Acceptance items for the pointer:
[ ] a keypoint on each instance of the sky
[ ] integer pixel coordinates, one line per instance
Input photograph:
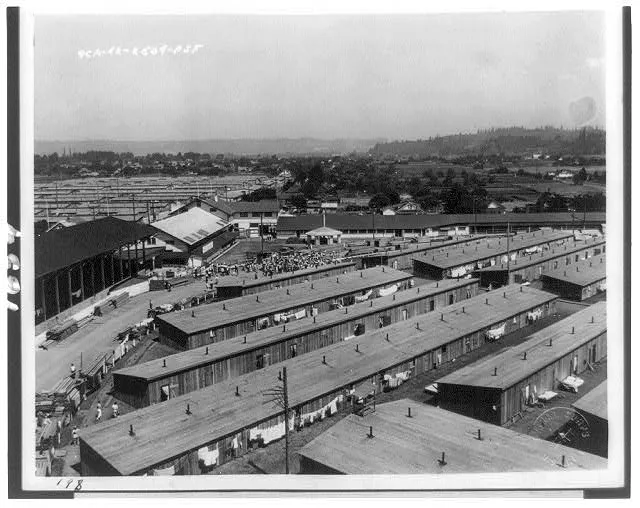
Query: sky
(361, 76)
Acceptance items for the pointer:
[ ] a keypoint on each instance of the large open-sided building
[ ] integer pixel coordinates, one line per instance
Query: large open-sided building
(536, 265)
(461, 260)
(80, 262)
(406, 437)
(222, 421)
(157, 380)
(215, 322)
(580, 281)
(246, 283)
(499, 387)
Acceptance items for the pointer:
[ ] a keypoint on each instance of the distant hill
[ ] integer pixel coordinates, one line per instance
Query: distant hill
(283, 146)
(510, 141)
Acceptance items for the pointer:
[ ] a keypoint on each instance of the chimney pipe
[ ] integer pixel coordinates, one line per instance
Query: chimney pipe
(188, 411)
(245, 339)
(525, 356)
(370, 435)
(486, 301)
(324, 359)
(206, 351)
(131, 432)
(495, 371)
(479, 435)
(387, 337)
(564, 463)
(224, 306)
(258, 299)
(237, 391)
(409, 412)
(193, 313)
(442, 462)
(592, 320)
(357, 348)
(573, 330)
(279, 375)
(164, 363)
(314, 319)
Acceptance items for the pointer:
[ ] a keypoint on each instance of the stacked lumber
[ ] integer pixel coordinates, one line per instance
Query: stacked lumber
(63, 330)
(96, 371)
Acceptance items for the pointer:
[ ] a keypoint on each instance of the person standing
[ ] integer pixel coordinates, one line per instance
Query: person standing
(74, 436)
(99, 412)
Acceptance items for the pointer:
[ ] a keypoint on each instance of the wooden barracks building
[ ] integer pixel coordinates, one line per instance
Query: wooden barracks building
(194, 432)
(250, 284)
(407, 437)
(220, 321)
(157, 380)
(497, 388)
(535, 266)
(580, 281)
(460, 260)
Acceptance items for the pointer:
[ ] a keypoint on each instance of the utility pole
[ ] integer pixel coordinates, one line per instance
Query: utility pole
(286, 418)
(373, 225)
(261, 238)
(280, 397)
(508, 253)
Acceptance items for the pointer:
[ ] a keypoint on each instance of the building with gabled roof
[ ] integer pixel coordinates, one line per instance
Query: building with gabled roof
(406, 437)
(189, 236)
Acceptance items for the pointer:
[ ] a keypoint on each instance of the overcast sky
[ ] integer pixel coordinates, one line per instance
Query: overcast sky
(395, 77)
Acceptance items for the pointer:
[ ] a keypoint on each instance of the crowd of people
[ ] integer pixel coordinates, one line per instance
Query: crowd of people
(274, 264)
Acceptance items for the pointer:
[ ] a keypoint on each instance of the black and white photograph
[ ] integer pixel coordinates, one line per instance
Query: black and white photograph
(334, 249)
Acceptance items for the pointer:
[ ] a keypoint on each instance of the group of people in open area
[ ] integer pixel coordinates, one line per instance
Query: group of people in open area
(115, 411)
(276, 263)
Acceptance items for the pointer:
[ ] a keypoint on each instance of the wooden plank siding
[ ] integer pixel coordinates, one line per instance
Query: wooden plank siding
(494, 389)
(401, 256)
(589, 278)
(220, 321)
(166, 432)
(442, 263)
(585, 256)
(141, 385)
(250, 284)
